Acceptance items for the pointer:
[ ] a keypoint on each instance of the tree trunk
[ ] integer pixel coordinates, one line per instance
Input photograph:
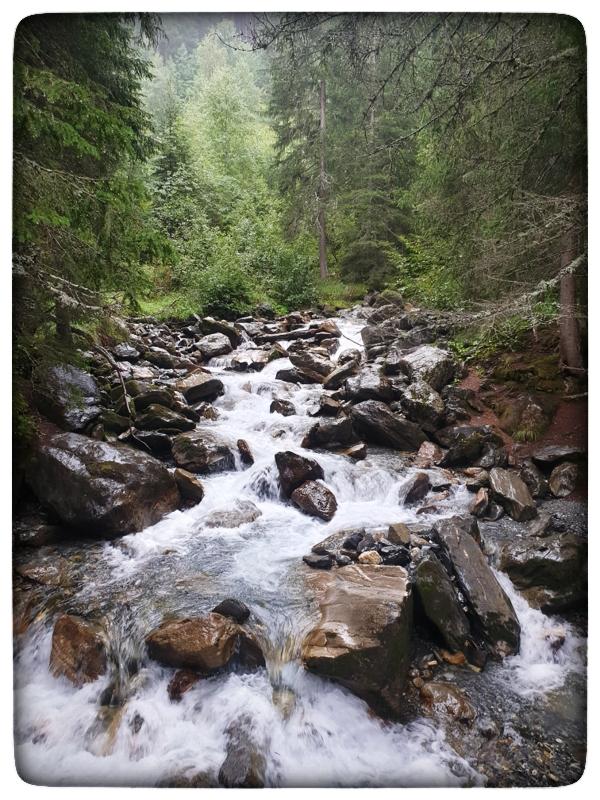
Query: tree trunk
(570, 338)
(322, 191)
(63, 323)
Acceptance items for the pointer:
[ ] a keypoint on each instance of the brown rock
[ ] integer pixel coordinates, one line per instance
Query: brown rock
(513, 495)
(180, 683)
(189, 486)
(447, 699)
(200, 385)
(204, 643)
(294, 470)
(245, 452)
(78, 650)
(316, 499)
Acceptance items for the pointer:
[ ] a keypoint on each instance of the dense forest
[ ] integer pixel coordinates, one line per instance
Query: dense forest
(206, 164)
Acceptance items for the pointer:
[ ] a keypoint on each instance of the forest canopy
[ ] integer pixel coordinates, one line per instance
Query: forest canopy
(214, 164)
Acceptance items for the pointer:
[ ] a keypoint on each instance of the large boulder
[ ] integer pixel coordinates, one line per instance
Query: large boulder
(423, 405)
(325, 434)
(440, 603)
(550, 571)
(78, 650)
(213, 345)
(294, 470)
(376, 423)
(157, 417)
(370, 384)
(489, 605)
(465, 443)
(430, 364)
(202, 451)
(67, 396)
(200, 385)
(205, 643)
(362, 639)
(549, 455)
(316, 499)
(309, 361)
(512, 493)
(210, 325)
(99, 488)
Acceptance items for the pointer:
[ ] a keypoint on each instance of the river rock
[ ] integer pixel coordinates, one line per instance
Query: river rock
(375, 422)
(563, 479)
(114, 422)
(202, 451)
(67, 396)
(250, 360)
(328, 407)
(235, 609)
(244, 766)
(189, 486)
(549, 455)
(370, 384)
(283, 407)
(362, 639)
(328, 434)
(245, 452)
(512, 493)
(155, 442)
(180, 683)
(213, 345)
(160, 357)
(148, 395)
(481, 502)
(200, 385)
(157, 417)
(423, 405)
(205, 643)
(99, 488)
(440, 603)
(447, 699)
(125, 352)
(488, 603)
(210, 325)
(296, 375)
(534, 478)
(78, 650)
(464, 443)
(315, 499)
(243, 512)
(429, 455)
(340, 375)
(353, 354)
(308, 361)
(549, 571)
(294, 470)
(414, 488)
(430, 364)
(318, 560)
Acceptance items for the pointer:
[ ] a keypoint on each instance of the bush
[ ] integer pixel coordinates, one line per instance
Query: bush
(224, 290)
(294, 283)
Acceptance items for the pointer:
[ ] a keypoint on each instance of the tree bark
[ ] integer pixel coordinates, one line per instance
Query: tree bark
(322, 190)
(570, 337)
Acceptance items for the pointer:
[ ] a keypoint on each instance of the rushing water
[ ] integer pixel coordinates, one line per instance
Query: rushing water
(310, 731)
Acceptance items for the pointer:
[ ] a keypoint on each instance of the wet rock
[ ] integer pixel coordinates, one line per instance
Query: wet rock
(244, 765)
(99, 488)
(362, 639)
(370, 384)
(250, 360)
(327, 434)
(423, 405)
(357, 452)
(350, 355)
(534, 478)
(154, 442)
(489, 605)
(283, 407)
(214, 345)
(235, 609)
(541, 526)
(298, 376)
(189, 486)
(205, 643)
(200, 385)
(149, 395)
(180, 683)
(202, 451)
(399, 533)
(244, 512)
(414, 488)
(340, 375)
(318, 560)
(440, 603)
(464, 443)
(430, 364)
(512, 493)
(494, 512)
(78, 650)
(563, 479)
(480, 504)
(309, 361)
(114, 422)
(375, 423)
(210, 325)
(447, 699)
(328, 407)
(158, 417)
(549, 571)
(393, 554)
(67, 396)
(315, 499)
(428, 455)
(294, 470)
(245, 452)
(160, 357)
(549, 455)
